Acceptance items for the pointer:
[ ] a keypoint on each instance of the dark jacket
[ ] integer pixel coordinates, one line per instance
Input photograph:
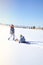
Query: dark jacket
(12, 29)
(22, 39)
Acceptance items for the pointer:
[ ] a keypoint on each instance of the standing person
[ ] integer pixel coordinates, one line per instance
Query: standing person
(12, 32)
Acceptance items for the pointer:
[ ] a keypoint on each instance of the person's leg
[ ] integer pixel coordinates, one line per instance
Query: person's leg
(13, 36)
(10, 36)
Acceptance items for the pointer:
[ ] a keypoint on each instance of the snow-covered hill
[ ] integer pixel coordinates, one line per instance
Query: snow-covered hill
(13, 53)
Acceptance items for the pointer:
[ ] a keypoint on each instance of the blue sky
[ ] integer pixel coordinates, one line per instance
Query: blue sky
(22, 12)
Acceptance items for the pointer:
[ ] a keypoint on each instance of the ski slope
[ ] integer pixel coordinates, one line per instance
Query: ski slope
(13, 53)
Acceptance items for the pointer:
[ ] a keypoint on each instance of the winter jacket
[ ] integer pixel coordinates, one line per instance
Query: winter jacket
(12, 29)
(22, 39)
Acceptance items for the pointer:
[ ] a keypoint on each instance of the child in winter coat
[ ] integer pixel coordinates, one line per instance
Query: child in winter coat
(12, 31)
(22, 39)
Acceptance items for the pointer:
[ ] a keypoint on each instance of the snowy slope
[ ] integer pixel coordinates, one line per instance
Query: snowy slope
(13, 53)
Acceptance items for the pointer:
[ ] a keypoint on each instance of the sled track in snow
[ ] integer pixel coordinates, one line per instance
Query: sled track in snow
(36, 42)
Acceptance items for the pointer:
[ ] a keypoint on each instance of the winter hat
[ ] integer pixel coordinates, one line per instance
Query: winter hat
(21, 35)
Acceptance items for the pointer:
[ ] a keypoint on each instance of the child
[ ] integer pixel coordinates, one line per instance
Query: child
(12, 31)
(22, 39)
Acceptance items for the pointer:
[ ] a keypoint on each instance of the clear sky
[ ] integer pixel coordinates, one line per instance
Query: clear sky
(22, 12)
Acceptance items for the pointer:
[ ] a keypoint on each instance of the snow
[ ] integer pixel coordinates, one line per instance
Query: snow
(14, 53)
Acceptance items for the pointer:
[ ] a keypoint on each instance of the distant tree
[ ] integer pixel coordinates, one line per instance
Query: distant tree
(31, 27)
(34, 27)
(42, 28)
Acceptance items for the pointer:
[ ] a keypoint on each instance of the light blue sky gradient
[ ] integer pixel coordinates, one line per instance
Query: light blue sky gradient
(22, 12)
